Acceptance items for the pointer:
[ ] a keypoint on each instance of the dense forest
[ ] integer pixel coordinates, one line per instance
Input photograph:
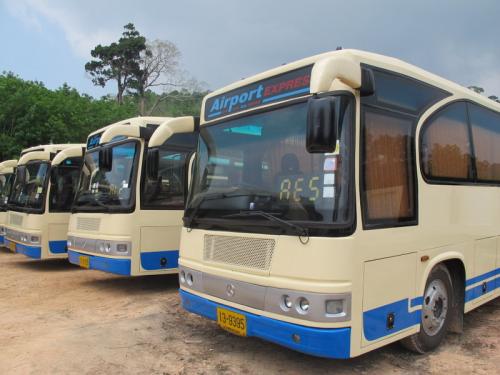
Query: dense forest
(31, 114)
(148, 79)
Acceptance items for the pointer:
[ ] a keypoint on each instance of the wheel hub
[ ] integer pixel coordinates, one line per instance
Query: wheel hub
(435, 307)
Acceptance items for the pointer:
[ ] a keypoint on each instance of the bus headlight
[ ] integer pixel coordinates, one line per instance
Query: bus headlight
(182, 277)
(107, 247)
(335, 307)
(2, 231)
(35, 239)
(189, 279)
(24, 238)
(286, 302)
(303, 305)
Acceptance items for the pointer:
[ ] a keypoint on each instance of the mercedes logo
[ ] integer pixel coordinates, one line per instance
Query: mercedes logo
(230, 290)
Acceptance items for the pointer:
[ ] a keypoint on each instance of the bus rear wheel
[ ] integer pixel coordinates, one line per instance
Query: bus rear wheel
(436, 312)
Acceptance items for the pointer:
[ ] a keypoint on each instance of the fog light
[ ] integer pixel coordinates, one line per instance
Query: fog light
(189, 279)
(303, 305)
(122, 248)
(286, 302)
(182, 277)
(335, 307)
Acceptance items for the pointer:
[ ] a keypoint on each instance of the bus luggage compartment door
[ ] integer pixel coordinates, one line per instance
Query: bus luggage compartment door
(388, 291)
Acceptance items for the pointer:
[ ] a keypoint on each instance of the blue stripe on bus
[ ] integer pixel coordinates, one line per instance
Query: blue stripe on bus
(112, 265)
(375, 320)
(34, 252)
(321, 342)
(58, 247)
(2, 240)
(417, 301)
(482, 277)
(153, 260)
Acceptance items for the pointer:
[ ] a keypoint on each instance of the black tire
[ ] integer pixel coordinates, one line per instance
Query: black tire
(423, 342)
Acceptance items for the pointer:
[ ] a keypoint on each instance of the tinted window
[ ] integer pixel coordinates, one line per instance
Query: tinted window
(445, 146)
(62, 192)
(387, 168)
(403, 93)
(486, 136)
(169, 189)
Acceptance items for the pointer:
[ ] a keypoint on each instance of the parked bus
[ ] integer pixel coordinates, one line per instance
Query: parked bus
(126, 221)
(343, 202)
(7, 169)
(40, 202)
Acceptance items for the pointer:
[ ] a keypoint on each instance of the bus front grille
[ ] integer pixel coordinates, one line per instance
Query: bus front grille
(16, 220)
(246, 252)
(88, 223)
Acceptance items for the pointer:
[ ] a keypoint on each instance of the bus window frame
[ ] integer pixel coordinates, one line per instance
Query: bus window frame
(113, 209)
(46, 192)
(453, 181)
(329, 230)
(189, 154)
(373, 102)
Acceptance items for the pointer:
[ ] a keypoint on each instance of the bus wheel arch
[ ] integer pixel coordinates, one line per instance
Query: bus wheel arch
(455, 263)
(442, 305)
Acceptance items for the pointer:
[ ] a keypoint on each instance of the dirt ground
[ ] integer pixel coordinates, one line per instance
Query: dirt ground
(57, 319)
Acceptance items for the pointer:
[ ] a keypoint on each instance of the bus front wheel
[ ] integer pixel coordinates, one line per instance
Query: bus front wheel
(436, 312)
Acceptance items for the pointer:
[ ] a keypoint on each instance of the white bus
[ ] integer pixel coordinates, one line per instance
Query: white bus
(7, 170)
(343, 202)
(41, 198)
(126, 221)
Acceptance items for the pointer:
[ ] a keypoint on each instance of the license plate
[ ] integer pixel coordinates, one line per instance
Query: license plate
(84, 261)
(232, 321)
(12, 246)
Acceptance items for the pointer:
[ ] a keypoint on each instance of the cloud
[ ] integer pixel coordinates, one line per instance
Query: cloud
(222, 41)
(70, 20)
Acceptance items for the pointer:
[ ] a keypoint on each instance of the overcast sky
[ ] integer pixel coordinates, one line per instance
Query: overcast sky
(222, 40)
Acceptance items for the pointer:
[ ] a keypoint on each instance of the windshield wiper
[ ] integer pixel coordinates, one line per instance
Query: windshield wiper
(299, 230)
(91, 199)
(214, 196)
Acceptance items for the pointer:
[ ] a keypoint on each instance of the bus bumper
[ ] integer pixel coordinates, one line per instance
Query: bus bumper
(111, 265)
(320, 342)
(34, 252)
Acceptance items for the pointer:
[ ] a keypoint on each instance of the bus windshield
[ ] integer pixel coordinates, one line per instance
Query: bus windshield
(6, 181)
(29, 194)
(104, 191)
(260, 163)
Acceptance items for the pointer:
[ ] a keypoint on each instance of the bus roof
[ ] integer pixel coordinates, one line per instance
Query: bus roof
(49, 148)
(139, 121)
(355, 57)
(8, 166)
(43, 152)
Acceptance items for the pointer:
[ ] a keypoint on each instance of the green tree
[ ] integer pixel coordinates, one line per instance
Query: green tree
(118, 61)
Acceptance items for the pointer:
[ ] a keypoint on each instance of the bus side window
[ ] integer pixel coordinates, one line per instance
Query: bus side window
(486, 138)
(388, 176)
(445, 145)
(167, 192)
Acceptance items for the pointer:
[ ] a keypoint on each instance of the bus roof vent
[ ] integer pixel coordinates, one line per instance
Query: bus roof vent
(245, 252)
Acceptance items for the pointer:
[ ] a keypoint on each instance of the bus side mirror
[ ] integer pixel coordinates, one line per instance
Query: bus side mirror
(321, 132)
(105, 159)
(21, 174)
(152, 163)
